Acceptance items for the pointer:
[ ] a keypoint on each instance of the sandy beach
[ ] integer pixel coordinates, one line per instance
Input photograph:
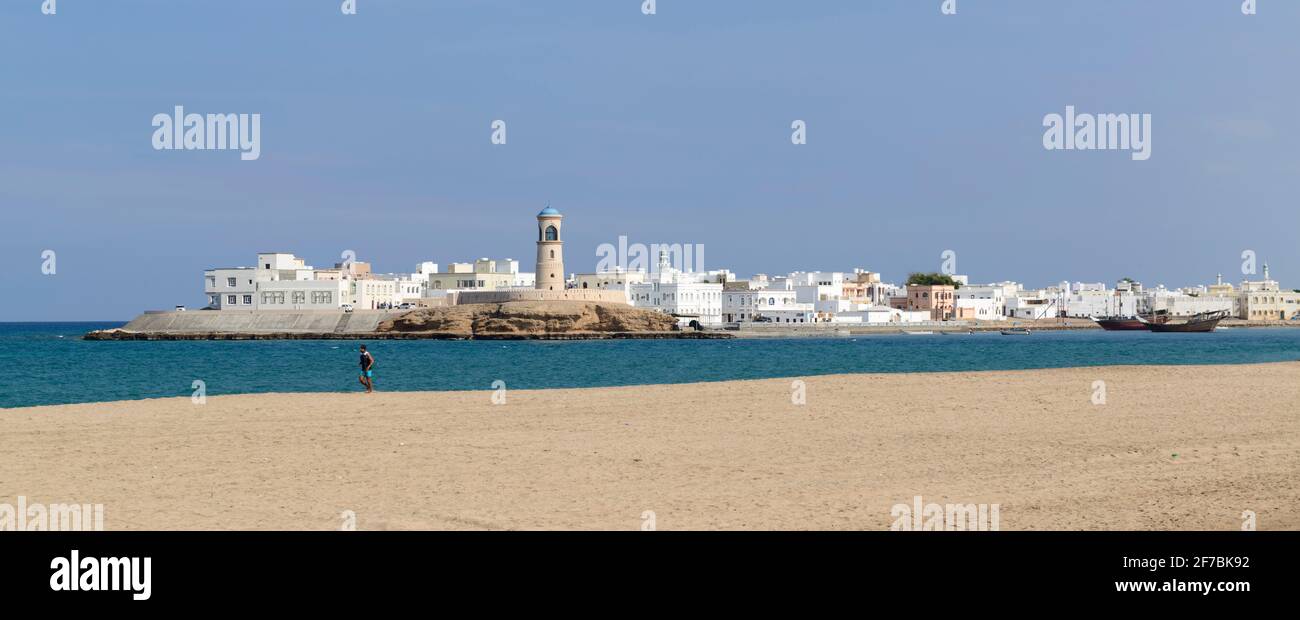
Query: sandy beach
(1171, 448)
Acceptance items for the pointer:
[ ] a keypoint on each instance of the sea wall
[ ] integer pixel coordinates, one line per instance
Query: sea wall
(260, 322)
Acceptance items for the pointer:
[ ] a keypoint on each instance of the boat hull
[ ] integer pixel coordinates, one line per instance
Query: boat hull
(1204, 322)
(1121, 325)
(1190, 326)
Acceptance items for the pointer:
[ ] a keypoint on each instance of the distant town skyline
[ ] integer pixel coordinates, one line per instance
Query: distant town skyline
(924, 134)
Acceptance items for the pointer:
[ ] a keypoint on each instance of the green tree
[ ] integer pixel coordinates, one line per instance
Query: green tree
(932, 279)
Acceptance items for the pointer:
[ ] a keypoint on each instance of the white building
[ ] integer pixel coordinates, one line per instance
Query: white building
(823, 289)
(302, 294)
(1092, 301)
(230, 288)
(280, 281)
(740, 305)
(869, 315)
(1031, 305)
(987, 301)
(672, 292)
(979, 308)
(1186, 303)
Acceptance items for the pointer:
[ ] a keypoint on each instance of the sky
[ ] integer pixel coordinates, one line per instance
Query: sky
(924, 135)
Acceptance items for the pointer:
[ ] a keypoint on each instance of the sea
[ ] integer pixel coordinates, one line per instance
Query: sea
(49, 363)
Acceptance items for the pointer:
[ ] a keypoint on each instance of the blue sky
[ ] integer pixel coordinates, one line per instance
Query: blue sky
(924, 134)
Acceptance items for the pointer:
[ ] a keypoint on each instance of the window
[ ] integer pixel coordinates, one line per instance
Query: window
(552, 235)
(230, 299)
(248, 300)
(552, 253)
(299, 297)
(230, 282)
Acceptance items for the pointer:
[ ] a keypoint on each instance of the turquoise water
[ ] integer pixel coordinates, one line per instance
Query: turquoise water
(48, 363)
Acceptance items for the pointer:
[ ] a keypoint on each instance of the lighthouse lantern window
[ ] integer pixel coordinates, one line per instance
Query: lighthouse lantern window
(551, 234)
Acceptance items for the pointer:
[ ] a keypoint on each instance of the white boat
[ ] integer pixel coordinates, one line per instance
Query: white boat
(918, 333)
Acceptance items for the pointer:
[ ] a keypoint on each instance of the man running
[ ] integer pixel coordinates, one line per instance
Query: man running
(367, 375)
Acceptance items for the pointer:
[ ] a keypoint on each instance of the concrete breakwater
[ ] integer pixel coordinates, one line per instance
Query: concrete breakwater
(249, 321)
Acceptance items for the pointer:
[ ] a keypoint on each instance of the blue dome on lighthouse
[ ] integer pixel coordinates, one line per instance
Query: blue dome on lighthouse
(548, 211)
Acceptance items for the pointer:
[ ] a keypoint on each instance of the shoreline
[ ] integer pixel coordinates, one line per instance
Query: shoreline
(1170, 448)
(936, 373)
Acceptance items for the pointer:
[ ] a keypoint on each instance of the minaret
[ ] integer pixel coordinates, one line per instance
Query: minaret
(1265, 271)
(550, 251)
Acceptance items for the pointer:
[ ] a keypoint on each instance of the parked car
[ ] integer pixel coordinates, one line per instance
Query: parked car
(405, 306)
(347, 307)
(180, 308)
(763, 319)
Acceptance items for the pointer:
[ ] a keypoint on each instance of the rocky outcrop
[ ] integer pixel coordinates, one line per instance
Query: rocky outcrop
(534, 319)
(512, 320)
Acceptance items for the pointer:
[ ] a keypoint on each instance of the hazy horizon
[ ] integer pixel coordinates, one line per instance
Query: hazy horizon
(924, 134)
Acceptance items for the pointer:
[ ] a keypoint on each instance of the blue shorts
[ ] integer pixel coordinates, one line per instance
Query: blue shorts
(368, 373)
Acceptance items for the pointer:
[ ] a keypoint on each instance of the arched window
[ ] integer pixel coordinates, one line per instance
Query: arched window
(552, 234)
(552, 253)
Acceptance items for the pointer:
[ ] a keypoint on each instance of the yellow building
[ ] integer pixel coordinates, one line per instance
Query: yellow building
(1264, 300)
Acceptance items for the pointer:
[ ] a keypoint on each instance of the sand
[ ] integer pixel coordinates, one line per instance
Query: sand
(1171, 448)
